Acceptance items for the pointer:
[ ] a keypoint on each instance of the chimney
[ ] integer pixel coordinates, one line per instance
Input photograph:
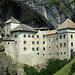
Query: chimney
(11, 19)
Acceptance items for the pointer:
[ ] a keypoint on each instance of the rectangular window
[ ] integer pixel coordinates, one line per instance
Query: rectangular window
(64, 44)
(37, 42)
(43, 48)
(37, 53)
(25, 42)
(43, 36)
(64, 36)
(37, 48)
(37, 36)
(71, 36)
(33, 42)
(15, 42)
(15, 36)
(60, 36)
(49, 39)
(32, 36)
(64, 52)
(43, 42)
(56, 38)
(33, 49)
(60, 44)
(24, 35)
(60, 52)
(29, 36)
(49, 53)
(25, 48)
(71, 43)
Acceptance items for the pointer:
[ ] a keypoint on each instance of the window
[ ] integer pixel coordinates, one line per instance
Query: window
(25, 48)
(37, 48)
(8, 43)
(24, 35)
(33, 49)
(71, 36)
(64, 44)
(64, 52)
(43, 54)
(43, 36)
(60, 44)
(37, 53)
(25, 42)
(43, 42)
(37, 36)
(64, 36)
(37, 42)
(56, 38)
(71, 50)
(15, 36)
(60, 37)
(60, 52)
(71, 43)
(43, 48)
(15, 42)
(49, 39)
(29, 36)
(33, 42)
(56, 46)
(32, 36)
(49, 47)
(49, 53)
(57, 53)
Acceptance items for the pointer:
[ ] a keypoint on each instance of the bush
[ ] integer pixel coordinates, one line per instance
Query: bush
(30, 70)
(53, 66)
(73, 68)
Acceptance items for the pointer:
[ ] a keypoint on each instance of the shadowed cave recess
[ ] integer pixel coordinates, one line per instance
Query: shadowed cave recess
(25, 15)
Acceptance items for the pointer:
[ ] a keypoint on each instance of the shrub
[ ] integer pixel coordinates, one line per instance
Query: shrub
(73, 68)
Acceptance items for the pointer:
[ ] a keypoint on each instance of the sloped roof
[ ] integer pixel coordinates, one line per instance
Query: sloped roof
(51, 32)
(12, 20)
(23, 27)
(67, 24)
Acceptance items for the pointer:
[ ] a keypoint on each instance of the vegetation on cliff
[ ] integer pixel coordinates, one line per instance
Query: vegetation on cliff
(53, 66)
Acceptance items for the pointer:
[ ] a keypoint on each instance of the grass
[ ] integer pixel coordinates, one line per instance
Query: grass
(66, 69)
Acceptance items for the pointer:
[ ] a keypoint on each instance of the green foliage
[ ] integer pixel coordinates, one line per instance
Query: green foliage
(2, 24)
(73, 68)
(30, 70)
(53, 66)
(72, 55)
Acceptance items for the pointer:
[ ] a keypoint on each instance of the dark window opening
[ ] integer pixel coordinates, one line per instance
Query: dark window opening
(24, 35)
(64, 44)
(64, 36)
(71, 36)
(43, 42)
(29, 36)
(49, 53)
(32, 36)
(37, 53)
(37, 36)
(25, 42)
(43, 54)
(15, 36)
(25, 48)
(15, 42)
(71, 44)
(37, 42)
(37, 49)
(60, 37)
(64, 52)
(43, 36)
(43, 48)
(33, 49)
(33, 42)
(60, 52)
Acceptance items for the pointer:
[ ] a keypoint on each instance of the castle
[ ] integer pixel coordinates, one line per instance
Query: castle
(34, 46)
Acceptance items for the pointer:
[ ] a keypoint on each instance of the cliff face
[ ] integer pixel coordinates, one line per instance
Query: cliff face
(38, 13)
